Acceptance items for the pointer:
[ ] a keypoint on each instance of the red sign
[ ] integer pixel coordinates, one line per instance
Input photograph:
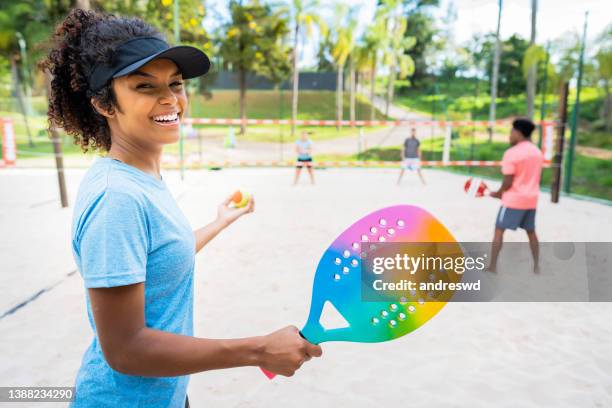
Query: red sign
(9, 148)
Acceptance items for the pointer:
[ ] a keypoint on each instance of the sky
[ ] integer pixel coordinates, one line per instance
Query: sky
(555, 17)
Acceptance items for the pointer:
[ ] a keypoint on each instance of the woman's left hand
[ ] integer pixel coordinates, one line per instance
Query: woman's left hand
(227, 215)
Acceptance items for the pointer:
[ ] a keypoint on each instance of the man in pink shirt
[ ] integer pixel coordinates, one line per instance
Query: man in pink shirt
(522, 168)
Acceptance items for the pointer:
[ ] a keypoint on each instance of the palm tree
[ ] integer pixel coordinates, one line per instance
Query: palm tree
(304, 16)
(394, 56)
(342, 41)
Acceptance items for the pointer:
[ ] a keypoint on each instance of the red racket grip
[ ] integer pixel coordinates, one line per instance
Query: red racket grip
(270, 374)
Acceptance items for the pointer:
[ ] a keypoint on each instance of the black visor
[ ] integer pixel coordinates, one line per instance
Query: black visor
(136, 52)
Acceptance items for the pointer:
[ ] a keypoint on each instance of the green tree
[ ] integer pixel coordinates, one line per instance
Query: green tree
(251, 42)
(511, 78)
(567, 50)
(22, 25)
(421, 26)
(604, 74)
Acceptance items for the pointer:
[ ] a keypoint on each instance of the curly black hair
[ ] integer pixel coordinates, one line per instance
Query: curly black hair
(82, 40)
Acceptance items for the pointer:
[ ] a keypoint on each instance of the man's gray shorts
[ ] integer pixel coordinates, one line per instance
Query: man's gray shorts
(510, 218)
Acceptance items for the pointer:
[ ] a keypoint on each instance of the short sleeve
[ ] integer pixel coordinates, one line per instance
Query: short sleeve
(508, 164)
(113, 242)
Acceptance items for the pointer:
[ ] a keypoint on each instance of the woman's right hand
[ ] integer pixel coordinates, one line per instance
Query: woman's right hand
(284, 351)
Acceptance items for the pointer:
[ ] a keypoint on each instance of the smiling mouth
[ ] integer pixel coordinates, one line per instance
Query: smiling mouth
(170, 119)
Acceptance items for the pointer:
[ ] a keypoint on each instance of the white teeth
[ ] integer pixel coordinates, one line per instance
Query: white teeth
(166, 118)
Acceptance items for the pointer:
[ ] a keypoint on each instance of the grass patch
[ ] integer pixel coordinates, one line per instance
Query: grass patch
(591, 176)
(312, 105)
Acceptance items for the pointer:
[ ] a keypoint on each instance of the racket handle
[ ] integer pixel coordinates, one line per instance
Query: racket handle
(270, 374)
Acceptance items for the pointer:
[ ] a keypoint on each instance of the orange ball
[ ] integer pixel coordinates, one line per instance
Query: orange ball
(240, 198)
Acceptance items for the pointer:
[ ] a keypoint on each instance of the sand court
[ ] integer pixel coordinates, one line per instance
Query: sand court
(256, 277)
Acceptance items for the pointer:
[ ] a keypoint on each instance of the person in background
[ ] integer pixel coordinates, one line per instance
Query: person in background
(522, 169)
(411, 156)
(303, 148)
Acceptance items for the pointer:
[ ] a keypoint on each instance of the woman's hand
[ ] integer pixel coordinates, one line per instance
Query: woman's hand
(285, 351)
(227, 215)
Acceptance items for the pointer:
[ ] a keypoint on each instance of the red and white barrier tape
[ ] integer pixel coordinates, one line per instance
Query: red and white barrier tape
(213, 121)
(390, 164)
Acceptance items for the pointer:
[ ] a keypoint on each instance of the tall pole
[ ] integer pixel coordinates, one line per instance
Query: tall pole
(570, 154)
(495, 74)
(558, 157)
(57, 151)
(296, 78)
(177, 40)
(544, 90)
(27, 77)
(280, 126)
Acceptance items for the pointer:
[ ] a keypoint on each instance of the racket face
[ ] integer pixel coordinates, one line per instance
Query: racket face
(338, 279)
(475, 187)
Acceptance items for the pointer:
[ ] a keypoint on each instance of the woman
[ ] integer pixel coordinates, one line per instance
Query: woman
(303, 148)
(118, 88)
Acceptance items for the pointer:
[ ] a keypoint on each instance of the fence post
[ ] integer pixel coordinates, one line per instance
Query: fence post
(447, 143)
(558, 158)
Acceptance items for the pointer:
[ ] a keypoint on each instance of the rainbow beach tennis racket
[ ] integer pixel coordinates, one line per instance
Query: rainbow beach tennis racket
(338, 280)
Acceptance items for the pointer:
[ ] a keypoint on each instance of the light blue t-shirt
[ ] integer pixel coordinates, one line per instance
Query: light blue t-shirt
(126, 229)
(303, 146)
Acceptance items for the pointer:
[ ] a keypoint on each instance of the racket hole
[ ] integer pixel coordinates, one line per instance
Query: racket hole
(375, 321)
(411, 309)
(413, 293)
(373, 230)
(403, 300)
(392, 323)
(401, 223)
(346, 253)
(384, 314)
(345, 270)
(364, 237)
(372, 247)
(337, 261)
(390, 231)
(431, 277)
(381, 239)
(336, 277)
(401, 316)
(354, 262)
(421, 301)
(430, 295)
(355, 245)
(364, 254)
(382, 222)
(393, 307)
